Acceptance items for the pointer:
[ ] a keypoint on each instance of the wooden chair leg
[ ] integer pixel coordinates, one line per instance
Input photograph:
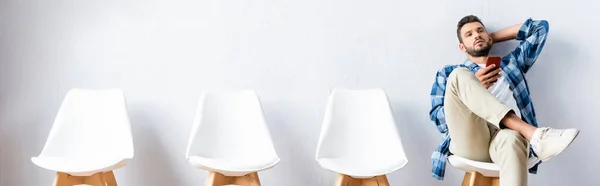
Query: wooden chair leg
(247, 180)
(467, 179)
(369, 182)
(344, 180)
(339, 181)
(253, 178)
(95, 180)
(382, 180)
(495, 182)
(476, 179)
(109, 177)
(218, 179)
(62, 179)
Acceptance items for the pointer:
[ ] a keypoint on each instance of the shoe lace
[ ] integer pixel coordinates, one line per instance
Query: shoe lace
(550, 133)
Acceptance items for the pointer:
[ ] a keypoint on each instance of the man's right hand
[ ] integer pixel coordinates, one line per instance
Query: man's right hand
(488, 75)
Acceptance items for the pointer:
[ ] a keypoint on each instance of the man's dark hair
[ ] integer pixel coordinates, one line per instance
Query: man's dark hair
(463, 22)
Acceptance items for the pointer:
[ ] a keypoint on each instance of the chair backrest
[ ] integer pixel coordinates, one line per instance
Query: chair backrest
(91, 123)
(359, 124)
(230, 125)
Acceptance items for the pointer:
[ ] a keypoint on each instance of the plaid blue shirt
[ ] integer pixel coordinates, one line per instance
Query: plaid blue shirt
(515, 65)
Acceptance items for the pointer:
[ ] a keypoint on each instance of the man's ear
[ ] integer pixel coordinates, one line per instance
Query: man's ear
(461, 46)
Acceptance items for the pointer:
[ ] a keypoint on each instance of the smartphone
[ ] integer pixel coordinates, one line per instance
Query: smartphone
(493, 60)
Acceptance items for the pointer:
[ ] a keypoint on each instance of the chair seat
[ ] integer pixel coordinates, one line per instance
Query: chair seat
(486, 169)
(233, 167)
(79, 167)
(362, 168)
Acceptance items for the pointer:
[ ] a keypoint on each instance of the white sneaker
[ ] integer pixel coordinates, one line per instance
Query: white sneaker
(548, 142)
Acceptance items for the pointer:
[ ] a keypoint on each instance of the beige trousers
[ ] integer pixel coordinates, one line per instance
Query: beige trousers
(473, 115)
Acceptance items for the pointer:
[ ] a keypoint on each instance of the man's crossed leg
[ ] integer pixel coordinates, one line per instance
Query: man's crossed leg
(484, 129)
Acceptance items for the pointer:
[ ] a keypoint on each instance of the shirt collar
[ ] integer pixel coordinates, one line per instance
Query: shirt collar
(471, 65)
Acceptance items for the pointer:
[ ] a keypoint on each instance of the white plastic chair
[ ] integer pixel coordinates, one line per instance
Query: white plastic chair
(359, 139)
(90, 137)
(230, 138)
(484, 172)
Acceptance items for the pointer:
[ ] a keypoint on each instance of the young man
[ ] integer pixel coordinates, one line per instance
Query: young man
(487, 111)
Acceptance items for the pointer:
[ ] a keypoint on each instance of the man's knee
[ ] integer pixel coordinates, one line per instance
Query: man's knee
(459, 75)
(510, 140)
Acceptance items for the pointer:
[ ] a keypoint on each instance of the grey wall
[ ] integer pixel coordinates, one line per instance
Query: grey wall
(163, 54)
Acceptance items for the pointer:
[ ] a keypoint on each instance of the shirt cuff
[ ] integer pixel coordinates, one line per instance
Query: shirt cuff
(525, 29)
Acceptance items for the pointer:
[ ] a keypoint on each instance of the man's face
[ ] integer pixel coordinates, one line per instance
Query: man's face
(476, 41)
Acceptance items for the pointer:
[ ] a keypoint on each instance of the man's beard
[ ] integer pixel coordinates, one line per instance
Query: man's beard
(481, 52)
